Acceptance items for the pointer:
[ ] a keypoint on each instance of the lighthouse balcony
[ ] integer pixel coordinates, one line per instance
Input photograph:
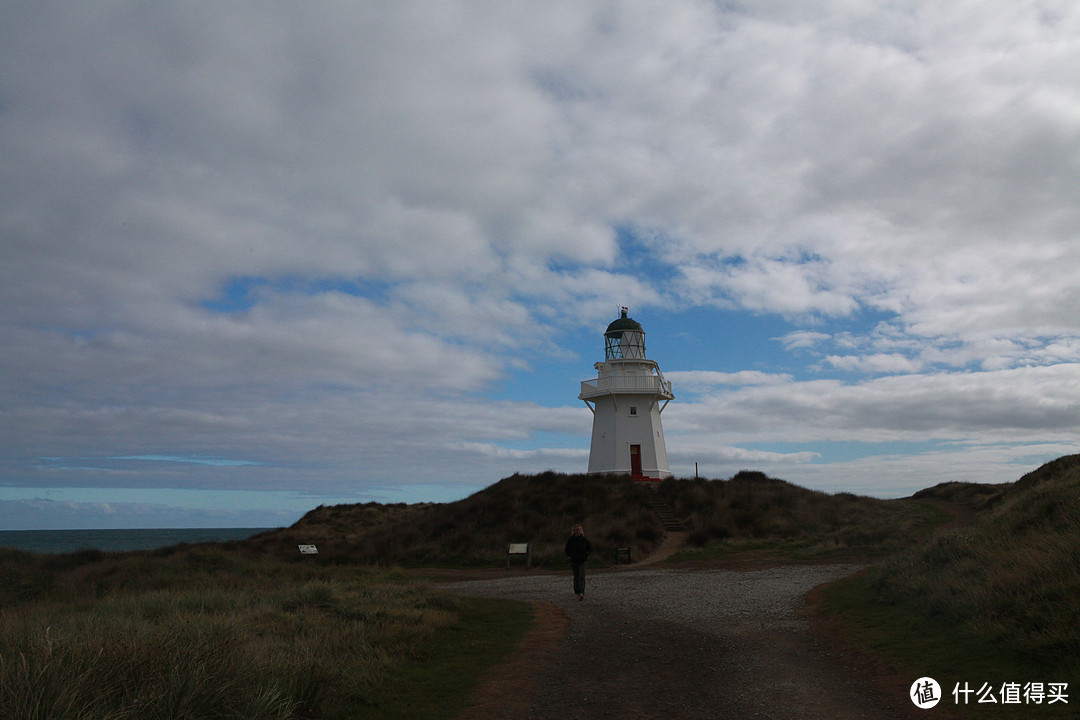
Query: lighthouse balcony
(650, 384)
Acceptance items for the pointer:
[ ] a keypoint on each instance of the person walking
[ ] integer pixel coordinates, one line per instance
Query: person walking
(578, 548)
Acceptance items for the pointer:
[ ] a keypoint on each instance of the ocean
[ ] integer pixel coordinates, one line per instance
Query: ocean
(65, 541)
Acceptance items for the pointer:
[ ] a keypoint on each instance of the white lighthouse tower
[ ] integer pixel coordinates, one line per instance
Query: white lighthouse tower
(626, 399)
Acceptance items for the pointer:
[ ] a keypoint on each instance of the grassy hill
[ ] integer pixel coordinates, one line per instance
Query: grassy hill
(748, 515)
(755, 517)
(474, 532)
(1013, 574)
(993, 600)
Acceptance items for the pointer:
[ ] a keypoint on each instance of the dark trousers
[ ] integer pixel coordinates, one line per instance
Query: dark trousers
(579, 577)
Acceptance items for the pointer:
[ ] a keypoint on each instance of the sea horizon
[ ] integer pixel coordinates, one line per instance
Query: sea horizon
(118, 539)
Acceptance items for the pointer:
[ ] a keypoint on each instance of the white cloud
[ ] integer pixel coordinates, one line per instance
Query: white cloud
(428, 200)
(802, 339)
(878, 363)
(579, 455)
(732, 459)
(767, 284)
(1021, 405)
(699, 379)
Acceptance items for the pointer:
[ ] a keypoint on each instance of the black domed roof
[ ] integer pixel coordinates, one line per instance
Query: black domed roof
(623, 324)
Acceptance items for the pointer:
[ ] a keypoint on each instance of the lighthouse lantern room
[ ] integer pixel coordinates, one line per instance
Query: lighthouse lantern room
(626, 399)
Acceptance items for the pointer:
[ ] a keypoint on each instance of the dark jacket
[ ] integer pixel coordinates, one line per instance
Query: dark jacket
(578, 548)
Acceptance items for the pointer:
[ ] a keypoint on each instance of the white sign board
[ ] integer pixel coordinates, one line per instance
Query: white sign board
(518, 548)
(308, 549)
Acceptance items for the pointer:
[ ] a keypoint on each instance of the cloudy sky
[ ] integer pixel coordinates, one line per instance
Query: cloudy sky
(257, 257)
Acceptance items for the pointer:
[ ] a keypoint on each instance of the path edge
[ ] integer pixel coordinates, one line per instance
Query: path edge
(507, 689)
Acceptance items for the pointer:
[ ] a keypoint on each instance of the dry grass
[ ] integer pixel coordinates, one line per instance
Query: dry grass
(201, 632)
(750, 513)
(753, 511)
(974, 496)
(1012, 576)
(474, 532)
(990, 602)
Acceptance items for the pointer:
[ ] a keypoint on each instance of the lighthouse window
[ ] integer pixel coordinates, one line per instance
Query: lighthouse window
(633, 410)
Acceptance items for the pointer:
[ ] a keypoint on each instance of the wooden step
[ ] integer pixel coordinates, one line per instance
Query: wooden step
(668, 520)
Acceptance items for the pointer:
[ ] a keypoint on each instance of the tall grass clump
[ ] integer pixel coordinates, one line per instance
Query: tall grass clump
(722, 516)
(203, 633)
(474, 532)
(1011, 577)
(752, 508)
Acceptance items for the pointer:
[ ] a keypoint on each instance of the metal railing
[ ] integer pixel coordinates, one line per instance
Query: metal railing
(625, 383)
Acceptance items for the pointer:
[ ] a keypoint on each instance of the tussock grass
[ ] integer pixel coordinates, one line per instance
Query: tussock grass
(474, 532)
(436, 682)
(993, 601)
(750, 515)
(974, 496)
(201, 632)
(755, 516)
(1012, 576)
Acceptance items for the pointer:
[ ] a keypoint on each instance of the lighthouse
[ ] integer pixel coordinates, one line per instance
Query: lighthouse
(626, 398)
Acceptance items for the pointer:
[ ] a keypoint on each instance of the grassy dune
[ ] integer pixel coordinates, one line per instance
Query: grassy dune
(1013, 575)
(750, 516)
(755, 517)
(474, 532)
(202, 632)
(993, 601)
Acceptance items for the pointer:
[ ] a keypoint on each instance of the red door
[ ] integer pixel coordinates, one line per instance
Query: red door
(635, 460)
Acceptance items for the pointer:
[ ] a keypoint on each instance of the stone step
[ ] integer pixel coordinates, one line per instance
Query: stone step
(667, 517)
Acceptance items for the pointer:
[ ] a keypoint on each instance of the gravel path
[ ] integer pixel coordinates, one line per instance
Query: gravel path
(703, 598)
(687, 644)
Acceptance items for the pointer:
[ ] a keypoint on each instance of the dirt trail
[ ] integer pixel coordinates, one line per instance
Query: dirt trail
(683, 645)
(671, 544)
